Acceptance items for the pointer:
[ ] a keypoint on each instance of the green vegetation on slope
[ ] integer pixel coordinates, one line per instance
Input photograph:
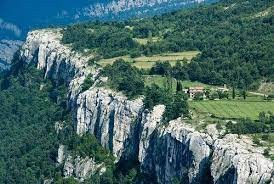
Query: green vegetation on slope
(234, 37)
(162, 81)
(30, 107)
(123, 77)
(265, 124)
(28, 142)
(87, 145)
(107, 39)
(147, 62)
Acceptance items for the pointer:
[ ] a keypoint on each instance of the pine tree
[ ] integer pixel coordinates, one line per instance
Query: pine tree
(244, 94)
(179, 86)
(233, 92)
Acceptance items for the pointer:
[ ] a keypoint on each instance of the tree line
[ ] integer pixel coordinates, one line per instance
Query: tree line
(235, 43)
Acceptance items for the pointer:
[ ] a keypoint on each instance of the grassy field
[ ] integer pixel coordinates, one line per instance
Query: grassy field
(161, 81)
(147, 62)
(232, 109)
(238, 108)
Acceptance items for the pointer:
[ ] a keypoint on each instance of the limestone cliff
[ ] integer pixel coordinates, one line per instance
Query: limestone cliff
(77, 167)
(7, 50)
(235, 160)
(110, 117)
(165, 151)
(59, 62)
(176, 151)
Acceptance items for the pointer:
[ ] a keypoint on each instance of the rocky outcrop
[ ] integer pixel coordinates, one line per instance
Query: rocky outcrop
(77, 167)
(61, 154)
(176, 151)
(165, 151)
(7, 50)
(236, 161)
(58, 61)
(110, 116)
(150, 120)
(44, 48)
(82, 168)
(169, 151)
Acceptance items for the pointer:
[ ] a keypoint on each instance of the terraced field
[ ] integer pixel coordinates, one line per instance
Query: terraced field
(232, 109)
(147, 62)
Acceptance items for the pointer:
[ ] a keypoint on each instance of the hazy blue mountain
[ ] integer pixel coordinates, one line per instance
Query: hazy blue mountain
(17, 16)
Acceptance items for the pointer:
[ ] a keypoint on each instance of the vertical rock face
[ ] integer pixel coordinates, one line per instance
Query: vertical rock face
(77, 167)
(44, 48)
(176, 152)
(109, 116)
(235, 161)
(61, 154)
(59, 62)
(82, 168)
(150, 120)
(165, 152)
(7, 50)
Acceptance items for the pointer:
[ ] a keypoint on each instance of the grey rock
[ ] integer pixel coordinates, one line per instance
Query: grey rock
(176, 151)
(110, 116)
(7, 50)
(48, 181)
(61, 154)
(135, 7)
(82, 168)
(236, 161)
(150, 120)
(68, 167)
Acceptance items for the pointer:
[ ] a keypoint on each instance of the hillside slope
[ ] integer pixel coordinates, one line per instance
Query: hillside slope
(57, 108)
(146, 148)
(64, 12)
(235, 39)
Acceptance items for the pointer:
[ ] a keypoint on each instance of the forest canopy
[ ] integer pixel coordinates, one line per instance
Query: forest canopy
(235, 39)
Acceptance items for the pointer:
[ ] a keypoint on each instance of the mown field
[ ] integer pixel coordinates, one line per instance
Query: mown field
(147, 62)
(232, 109)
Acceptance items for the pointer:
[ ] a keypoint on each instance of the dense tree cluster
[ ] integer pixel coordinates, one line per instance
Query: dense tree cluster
(30, 107)
(247, 126)
(176, 104)
(107, 39)
(154, 95)
(235, 39)
(88, 82)
(123, 77)
(28, 142)
(87, 145)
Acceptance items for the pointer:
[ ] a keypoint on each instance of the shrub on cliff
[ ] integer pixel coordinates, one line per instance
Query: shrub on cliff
(88, 82)
(124, 77)
(176, 108)
(176, 104)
